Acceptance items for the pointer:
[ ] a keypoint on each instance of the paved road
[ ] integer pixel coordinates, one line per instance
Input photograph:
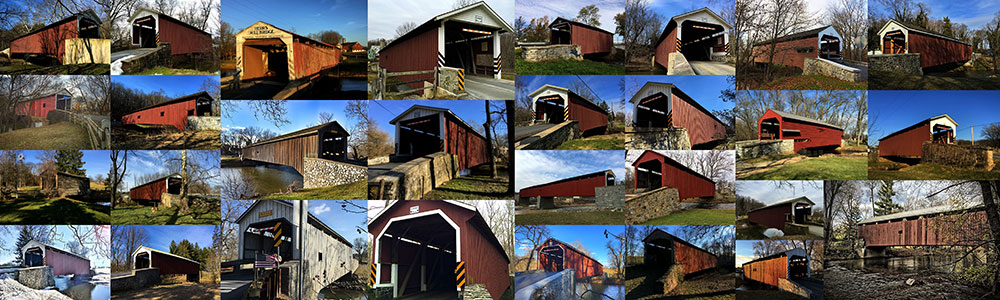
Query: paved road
(121, 54)
(523, 280)
(521, 132)
(487, 88)
(812, 284)
(234, 285)
(376, 170)
(712, 68)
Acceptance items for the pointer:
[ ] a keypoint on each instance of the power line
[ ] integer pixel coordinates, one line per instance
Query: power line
(383, 107)
(588, 88)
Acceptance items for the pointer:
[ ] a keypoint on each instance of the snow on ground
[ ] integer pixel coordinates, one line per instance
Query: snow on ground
(116, 66)
(10, 289)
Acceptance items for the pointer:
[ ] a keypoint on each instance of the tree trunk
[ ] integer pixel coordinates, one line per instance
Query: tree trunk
(510, 145)
(489, 141)
(184, 183)
(993, 216)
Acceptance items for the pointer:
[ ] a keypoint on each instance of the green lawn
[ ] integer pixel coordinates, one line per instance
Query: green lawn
(144, 215)
(161, 70)
(34, 211)
(597, 142)
(929, 171)
(897, 81)
(697, 216)
(350, 191)
(821, 168)
(472, 187)
(566, 66)
(812, 82)
(571, 218)
(58, 136)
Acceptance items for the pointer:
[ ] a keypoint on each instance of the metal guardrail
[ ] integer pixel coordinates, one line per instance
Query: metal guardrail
(96, 135)
(381, 91)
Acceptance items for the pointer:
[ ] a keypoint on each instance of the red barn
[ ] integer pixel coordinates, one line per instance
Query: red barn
(153, 190)
(663, 249)
(467, 38)
(436, 248)
(591, 39)
(51, 39)
(169, 264)
(150, 27)
(63, 262)
(173, 112)
(422, 130)
(777, 214)
(553, 104)
(699, 35)
(654, 170)
(793, 49)
(353, 47)
(935, 49)
(933, 226)
(577, 186)
(555, 256)
(909, 141)
(790, 264)
(41, 107)
(659, 104)
(266, 51)
(808, 133)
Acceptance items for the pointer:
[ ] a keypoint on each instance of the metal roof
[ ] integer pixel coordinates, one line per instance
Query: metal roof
(298, 133)
(581, 24)
(603, 173)
(176, 100)
(789, 201)
(89, 14)
(785, 115)
(921, 30)
(57, 249)
(941, 209)
(165, 16)
(164, 253)
(799, 251)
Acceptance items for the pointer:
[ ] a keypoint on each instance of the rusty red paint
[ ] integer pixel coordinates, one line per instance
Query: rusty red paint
(555, 256)
(689, 184)
(811, 135)
(936, 230)
(701, 125)
(935, 51)
(50, 41)
(465, 143)
(786, 52)
(183, 38)
(582, 186)
(906, 143)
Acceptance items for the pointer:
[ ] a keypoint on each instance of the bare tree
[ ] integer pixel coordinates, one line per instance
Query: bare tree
(404, 28)
(533, 235)
(849, 18)
(119, 165)
(782, 17)
(229, 229)
(637, 21)
(124, 240)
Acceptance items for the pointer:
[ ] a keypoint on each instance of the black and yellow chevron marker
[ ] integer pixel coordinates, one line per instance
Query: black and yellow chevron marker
(727, 48)
(496, 65)
(441, 144)
(566, 113)
(461, 79)
(372, 279)
(678, 45)
(157, 37)
(460, 275)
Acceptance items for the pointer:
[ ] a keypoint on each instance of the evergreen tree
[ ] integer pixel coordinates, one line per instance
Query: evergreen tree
(946, 29)
(884, 204)
(23, 237)
(70, 161)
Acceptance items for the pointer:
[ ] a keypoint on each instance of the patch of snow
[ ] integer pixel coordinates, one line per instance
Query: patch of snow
(10, 289)
(773, 232)
(116, 66)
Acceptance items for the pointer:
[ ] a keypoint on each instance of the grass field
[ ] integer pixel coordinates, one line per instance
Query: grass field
(570, 218)
(697, 216)
(131, 138)
(821, 168)
(161, 70)
(58, 136)
(597, 142)
(929, 171)
(897, 81)
(144, 215)
(31, 208)
(566, 66)
(472, 187)
(812, 82)
(641, 283)
(185, 290)
(350, 191)
(81, 69)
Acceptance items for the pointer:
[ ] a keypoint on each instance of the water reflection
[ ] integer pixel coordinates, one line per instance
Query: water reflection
(267, 179)
(932, 263)
(598, 291)
(82, 289)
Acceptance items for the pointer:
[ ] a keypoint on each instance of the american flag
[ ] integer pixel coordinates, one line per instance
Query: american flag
(266, 261)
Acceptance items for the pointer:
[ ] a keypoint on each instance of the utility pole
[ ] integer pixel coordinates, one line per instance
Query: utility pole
(972, 135)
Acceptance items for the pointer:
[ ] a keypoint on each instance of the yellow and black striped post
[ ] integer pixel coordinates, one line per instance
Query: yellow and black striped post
(566, 114)
(460, 275)
(678, 45)
(496, 65)
(372, 279)
(461, 79)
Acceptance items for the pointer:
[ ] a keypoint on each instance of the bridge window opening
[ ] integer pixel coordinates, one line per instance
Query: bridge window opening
(550, 109)
(420, 136)
(791, 133)
(468, 47)
(333, 145)
(89, 29)
(268, 237)
(769, 129)
(942, 134)
(190, 112)
(699, 39)
(265, 58)
(34, 257)
(653, 111)
(425, 245)
(142, 261)
(649, 175)
(798, 266)
(829, 47)
(144, 32)
(203, 107)
(894, 42)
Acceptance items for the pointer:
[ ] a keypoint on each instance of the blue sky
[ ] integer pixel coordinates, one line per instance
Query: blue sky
(974, 13)
(63, 235)
(670, 8)
(343, 222)
(160, 236)
(744, 252)
(154, 162)
(590, 236)
(703, 89)
(771, 192)
(382, 22)
(891, 111)
(348, 17)
(173, 86)
(542, 166)
(96, 162)
(471, 111)
(607, 9)
(301, 114)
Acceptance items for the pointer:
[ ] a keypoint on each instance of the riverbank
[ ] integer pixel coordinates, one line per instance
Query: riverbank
(844, 283)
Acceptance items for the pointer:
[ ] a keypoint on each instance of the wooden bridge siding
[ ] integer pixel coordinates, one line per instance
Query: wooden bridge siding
(470, 149)
(908, 143)
(933, 231)
(590, 40)
(183, 39)
(767, 271)
(290, 152)
(693, 259)
(311, 59)
(702, 128)
(419, 53)
(936, 51)
(49, 41)
(665, 47)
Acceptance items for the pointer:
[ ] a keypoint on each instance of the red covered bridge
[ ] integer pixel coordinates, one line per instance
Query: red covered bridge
(153, 190)
(553, 104)
(555, 255)
(777, 214)
(808, 133)
(173, 112)
(944, 225)
(663, 249)
(699, 35)
(266, 51)
(935, 49)
(150, 27)
(654, 170)
(591, 39)
(793, 49)
(169, 264)
(576, 186)
(51, 39)
(63, 262)
(436, 248)
(41, 106)
(422, 130)
(909, 141)
(789, 264)
(659, 104)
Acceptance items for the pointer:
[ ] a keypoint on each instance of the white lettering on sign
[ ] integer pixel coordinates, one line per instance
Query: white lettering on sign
(414, 209)
(258, 30)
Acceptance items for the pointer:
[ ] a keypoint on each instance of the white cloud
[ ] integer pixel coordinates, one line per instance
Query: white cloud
(321, 209)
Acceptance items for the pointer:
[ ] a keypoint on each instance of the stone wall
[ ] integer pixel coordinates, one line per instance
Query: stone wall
(657, 138)
(556, 287)
(550, 138)
(679, 65)
(135, 64)
(610, 197)
(819, 66)
(318, 172)
(672, 278)
(168, 199)
(959, 156)
(476, 292)
(448, 80)
(755, 148)
(33, 277)
(551, 52)
(378, 160)
(137, 280)
(792, 287)
(72, 186)
(413, 179)
(908, 63)
(203, 123)
(652, 204)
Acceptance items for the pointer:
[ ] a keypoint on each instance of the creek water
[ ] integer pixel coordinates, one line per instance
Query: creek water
(83, 290)
(598, 291)
(267, 178)
(921, 263)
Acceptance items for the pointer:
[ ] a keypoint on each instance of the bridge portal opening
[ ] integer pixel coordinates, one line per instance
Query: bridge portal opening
(698, 39)
(333, 144)
(560, 34)
(942, 134)
(469, 47)
(550, 109)
(142, 261)
(144, 32)
(659, 252)
(420, 253)
(62, 102)
(265, 58)
(798, 266)
(770, 129)
(34, 257)
(555, 258)
(829, 47)
(268, 237)
(894, 42)
(649, 175)
(653, 111)
(89, 29)
(420, 136)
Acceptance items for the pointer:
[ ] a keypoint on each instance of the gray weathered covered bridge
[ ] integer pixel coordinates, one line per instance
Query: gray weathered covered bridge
(319, 153)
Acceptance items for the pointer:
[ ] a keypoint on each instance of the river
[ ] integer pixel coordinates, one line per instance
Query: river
(83, 290)
(616, 292)
(266, 178)
(921, 263)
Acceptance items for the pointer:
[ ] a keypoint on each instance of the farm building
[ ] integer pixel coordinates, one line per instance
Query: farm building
(467, 38)
(698, 35)
(555, 255)
(65, 184)
(326, 141)
(654, 170)
(553, 104)
(807, 133)
(909, 141)
(777, 214)
(266, 51)
(168, 264)
(51, 39)
(663, 249)
(173, 112)
(41, 106)
(664, 105)
(422, 130)
(154, 190)
(591, 39)
(793, 49)
(150, 27)
(935, 49)
(273, 227)
(790, 264)
(576, 186)
(444, 238)
(353, 47)
(932, 226)
(63, 262)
